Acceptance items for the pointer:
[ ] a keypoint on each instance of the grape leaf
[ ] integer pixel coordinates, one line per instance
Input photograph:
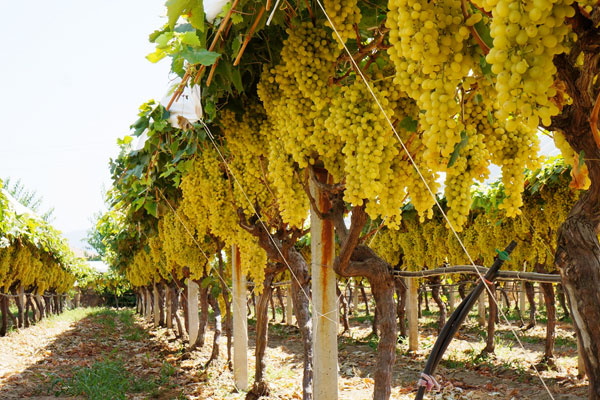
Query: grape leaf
(174, 10)
(199, 56)
(464, 139)
(409, 124)
(191, 39)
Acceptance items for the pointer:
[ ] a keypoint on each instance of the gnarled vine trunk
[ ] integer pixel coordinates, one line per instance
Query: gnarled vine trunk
(400, 286)
(436, 282)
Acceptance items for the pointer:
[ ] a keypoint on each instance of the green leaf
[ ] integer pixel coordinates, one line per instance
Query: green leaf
(196, 17)
(490, 118)
(237, 18)
(199, 56)
(484, 33)
(486, 68)
(503, 255)
(182, 28)
(150, 207)
(140, 125)
(174, 10)
(478, 98)
(409, 124)
(163, 40)
(177, 66)
(191, 38)
(464, 139)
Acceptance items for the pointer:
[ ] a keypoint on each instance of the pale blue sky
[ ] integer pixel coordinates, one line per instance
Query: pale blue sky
(72, 75)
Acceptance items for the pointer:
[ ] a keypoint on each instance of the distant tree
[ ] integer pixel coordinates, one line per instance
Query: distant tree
(29, 198)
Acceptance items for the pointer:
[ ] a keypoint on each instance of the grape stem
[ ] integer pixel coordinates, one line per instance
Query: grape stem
(466, 15)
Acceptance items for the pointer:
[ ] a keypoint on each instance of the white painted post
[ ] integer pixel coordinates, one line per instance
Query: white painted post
(168, 303)
(481, 308)
(289, 308)
(192, 306)
(324, 316)
(240, 322)
(156, 310)
(451, 298)
(412, 312)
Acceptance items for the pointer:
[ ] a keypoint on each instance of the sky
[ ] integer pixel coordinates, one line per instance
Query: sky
(72, 76)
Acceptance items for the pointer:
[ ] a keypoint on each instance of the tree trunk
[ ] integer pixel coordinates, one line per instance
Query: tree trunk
(530, 292)
(19, 303)
(260, 387)
(217, 313)
(550, 302)
(175, 309)
(162, 293)
(562, 300)
(364, 296)
(344, 306)
(491, 326)
(280, 298)
(203, 295)
(401, 306)
(4, 310)
(28, 306)
(436, 282)
(272, 303)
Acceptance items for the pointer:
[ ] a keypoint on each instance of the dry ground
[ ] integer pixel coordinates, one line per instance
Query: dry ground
(41, 361)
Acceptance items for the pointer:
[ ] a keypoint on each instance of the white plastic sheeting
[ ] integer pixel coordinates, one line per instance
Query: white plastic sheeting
(212, 8)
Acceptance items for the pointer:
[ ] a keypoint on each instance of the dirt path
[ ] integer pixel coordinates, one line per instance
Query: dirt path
(88, 345)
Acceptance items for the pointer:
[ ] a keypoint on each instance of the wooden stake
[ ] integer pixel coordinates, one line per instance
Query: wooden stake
(156, 307)
(248, 36)
(481, 309)
(289, 312)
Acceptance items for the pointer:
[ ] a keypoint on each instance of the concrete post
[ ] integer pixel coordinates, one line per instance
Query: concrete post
(192, 306)
(451, 298)
(240, 322)
(412, 313)
(148, 304)
(325, 354)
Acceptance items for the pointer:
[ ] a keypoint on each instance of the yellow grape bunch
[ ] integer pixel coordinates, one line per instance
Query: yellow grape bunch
(344, 14)
(527, 35)
(429, 50)
(209, 187)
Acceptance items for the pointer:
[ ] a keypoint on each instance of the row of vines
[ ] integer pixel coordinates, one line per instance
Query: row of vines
(359, 114)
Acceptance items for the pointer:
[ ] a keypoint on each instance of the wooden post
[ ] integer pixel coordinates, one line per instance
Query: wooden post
(412, 312)
(156, 307)
(481, 308)
(240, 322)
(192, 306)
(289, 308)
(451, 298)
(324, 299)
(168, 303)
